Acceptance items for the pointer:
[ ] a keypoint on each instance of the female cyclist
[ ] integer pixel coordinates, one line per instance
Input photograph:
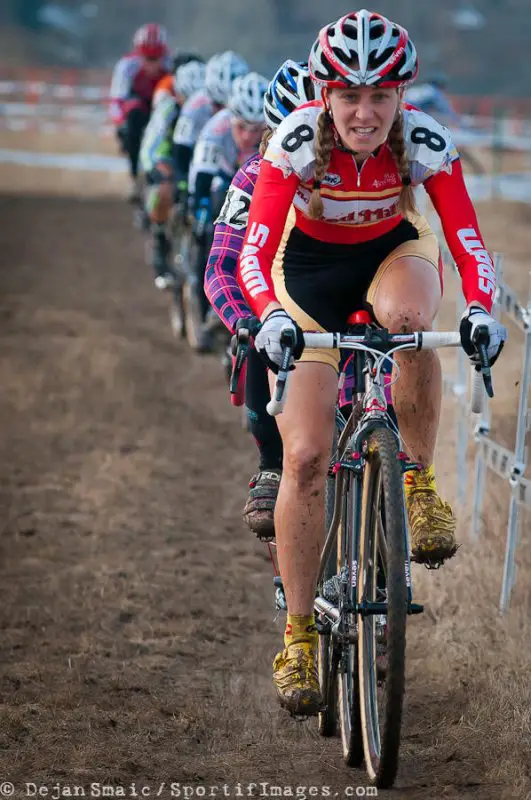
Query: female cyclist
(333, 227)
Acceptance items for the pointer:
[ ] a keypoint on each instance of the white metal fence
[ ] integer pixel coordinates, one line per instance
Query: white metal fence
(509, 465)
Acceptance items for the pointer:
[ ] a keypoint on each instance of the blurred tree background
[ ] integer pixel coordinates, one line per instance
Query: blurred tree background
(482, 45)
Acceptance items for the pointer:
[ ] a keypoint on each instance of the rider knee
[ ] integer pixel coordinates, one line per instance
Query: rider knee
(306, 463)
(408, 321)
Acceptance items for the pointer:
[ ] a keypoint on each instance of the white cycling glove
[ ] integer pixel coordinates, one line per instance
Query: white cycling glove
(267, 341)
(473, 320)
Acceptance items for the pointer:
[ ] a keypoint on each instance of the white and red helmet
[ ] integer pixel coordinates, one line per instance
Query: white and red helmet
(150, 41)
(363, 48)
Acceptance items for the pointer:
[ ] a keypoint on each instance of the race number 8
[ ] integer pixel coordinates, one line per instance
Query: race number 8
(296, 138)
(432, 140)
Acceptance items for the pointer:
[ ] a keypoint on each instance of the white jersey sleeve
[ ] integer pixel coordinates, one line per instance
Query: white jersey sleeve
(215, 150)
(429, 144)
(123, 76)
(121, 83)
(195, 113)
(292, 146)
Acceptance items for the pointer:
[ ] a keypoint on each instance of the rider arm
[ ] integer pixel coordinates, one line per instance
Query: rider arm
(182, 158)
(203, 184)
(121, 86)
(156, 144)
(288, 160)
(272, 199)
(451, 200)
(206, 164)
(221, 285)
(192, 118)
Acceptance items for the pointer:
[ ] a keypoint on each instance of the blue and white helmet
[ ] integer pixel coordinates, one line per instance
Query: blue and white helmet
(221, 70)
(290, 88)
(189, 78)
(246, 99)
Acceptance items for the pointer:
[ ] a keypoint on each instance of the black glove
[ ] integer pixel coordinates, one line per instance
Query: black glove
(121, 135)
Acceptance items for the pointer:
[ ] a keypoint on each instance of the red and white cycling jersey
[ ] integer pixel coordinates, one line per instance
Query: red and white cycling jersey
(360, 203)
(132, 87)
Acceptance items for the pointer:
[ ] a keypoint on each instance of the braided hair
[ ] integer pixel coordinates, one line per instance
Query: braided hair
(266, 136)
(324, 144)
(406, 202)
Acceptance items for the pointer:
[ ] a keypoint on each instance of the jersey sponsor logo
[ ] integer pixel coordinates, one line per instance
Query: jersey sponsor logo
(331, 179)
(353, 211)
(389, 179)
(250, 271)
(254, 167)
(470, 240)
(368, 215)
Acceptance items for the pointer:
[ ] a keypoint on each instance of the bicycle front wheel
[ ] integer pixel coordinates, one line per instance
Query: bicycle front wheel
(328, 651)
(382, 579)
(348, 689)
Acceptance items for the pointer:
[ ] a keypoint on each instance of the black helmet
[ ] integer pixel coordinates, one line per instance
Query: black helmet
(181, 57)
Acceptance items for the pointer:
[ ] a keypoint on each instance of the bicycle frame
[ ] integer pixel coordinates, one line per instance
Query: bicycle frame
(348, 469)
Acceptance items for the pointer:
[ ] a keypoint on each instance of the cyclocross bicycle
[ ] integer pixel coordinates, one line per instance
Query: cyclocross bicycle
(364, 588)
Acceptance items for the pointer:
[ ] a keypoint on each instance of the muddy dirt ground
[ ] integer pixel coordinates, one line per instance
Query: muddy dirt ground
(137, 625)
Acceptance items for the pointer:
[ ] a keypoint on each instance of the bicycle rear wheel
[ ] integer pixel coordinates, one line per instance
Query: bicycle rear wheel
(382, 547)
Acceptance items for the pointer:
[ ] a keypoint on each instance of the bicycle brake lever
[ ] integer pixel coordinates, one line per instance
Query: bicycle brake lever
(240, 344)
(481, 340)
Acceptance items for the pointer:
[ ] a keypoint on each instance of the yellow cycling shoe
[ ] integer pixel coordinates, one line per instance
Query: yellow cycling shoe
(432, 525)
(296, 678)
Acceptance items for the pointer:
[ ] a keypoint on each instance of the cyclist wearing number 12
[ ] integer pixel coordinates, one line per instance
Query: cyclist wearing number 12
(290, 87)
(333, 227)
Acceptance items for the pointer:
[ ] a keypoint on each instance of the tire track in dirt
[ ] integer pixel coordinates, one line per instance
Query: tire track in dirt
(137, 616)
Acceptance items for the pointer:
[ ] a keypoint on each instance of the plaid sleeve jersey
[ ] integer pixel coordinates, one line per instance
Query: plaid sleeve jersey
(221, 284)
